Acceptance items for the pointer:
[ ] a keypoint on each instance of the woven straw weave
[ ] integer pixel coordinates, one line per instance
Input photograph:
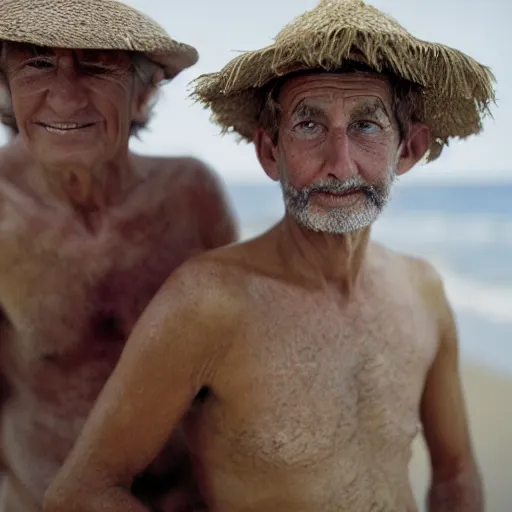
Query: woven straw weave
(92, 24)
(456, 89)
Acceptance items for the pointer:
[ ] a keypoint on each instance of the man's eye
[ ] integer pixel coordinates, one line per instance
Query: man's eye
(308, 127)
(40, 64)
(366, 127)
(95, 69)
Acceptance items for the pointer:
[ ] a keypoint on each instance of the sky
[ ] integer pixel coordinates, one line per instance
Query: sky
(219, 29)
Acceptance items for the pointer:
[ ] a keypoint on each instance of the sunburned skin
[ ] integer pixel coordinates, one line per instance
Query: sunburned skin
(310, 402)
(300, 364)
(325, 423)
(317, 424)
(70, 297)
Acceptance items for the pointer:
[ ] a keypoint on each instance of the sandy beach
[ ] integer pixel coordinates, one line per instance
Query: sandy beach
(489, 402)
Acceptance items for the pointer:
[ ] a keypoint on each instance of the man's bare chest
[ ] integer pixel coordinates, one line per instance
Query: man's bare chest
(309, 380)
(71, 298)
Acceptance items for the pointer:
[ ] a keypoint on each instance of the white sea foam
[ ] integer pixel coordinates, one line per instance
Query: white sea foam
(492, 302)
(438, 228)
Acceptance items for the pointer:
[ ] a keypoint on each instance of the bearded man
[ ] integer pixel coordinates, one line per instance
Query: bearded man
(309, 358)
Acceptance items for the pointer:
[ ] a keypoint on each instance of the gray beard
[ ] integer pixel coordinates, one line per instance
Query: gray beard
(337, 221)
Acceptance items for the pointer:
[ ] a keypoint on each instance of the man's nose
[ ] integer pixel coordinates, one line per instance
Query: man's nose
(67, 94)
(338, 159)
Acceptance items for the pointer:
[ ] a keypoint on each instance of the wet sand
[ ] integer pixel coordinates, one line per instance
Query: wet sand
(489, 402)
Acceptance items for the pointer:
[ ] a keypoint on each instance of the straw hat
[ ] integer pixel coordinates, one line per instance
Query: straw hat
(456, 89)
(92, 24)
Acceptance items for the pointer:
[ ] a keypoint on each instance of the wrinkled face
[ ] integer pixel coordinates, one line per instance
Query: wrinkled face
(74, 108)
(337, 151)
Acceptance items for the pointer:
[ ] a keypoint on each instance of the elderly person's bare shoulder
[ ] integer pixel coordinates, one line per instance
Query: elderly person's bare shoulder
(211, 286)
(224, 275)
(417, 271)
(172, 167)
(185, 174)
(194, 192)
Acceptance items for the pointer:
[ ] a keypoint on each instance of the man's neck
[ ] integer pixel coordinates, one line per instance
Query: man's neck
(322, 257)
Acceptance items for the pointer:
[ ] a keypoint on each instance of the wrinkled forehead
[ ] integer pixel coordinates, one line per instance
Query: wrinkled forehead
(22, 51)
(350, 89)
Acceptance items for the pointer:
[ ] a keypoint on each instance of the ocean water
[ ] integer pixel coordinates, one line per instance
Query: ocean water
(464, 230)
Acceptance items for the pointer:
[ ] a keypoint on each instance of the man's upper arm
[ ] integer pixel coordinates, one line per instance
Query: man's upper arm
(169, 357)
(219, 226)
(443, 410)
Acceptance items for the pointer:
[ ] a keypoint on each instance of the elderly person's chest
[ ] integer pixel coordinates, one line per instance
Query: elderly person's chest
(306, 380)
(67, 288)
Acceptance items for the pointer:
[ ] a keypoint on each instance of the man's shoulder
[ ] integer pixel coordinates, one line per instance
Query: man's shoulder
(185, 176)
(189, 185)
(178, 170)
(209, 285)
(168, 163)
(224, 268)
(421, 273)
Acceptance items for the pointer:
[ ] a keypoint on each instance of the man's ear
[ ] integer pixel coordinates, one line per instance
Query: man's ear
(414, 147)
(146, 100)
(267, 153)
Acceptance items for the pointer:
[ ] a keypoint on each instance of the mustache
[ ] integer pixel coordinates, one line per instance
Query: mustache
(356, 184)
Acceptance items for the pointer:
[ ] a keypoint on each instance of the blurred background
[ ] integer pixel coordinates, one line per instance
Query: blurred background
(456, 212)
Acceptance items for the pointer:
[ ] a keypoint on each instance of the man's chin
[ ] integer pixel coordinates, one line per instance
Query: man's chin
(331, 224)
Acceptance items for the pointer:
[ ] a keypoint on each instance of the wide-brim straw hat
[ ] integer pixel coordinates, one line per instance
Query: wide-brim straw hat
(95, 25)
(456, 90)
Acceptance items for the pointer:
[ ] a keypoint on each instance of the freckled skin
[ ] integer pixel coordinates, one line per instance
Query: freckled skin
(317, 358)
(84, 249)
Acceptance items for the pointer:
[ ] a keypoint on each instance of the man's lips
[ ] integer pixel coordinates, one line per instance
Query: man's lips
(339, 194)
(336, 199)
(62, 128)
